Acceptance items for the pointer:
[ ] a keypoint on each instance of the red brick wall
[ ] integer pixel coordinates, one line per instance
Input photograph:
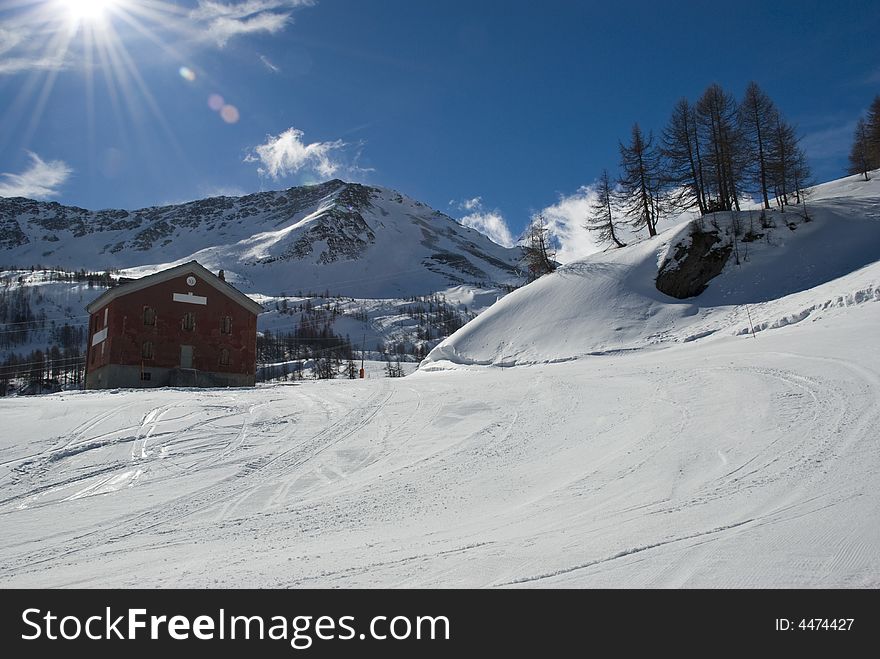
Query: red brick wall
(127, 331)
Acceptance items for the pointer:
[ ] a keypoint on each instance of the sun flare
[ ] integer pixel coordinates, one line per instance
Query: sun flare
(88, 11)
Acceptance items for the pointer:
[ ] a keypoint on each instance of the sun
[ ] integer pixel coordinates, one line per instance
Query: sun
(88, 11)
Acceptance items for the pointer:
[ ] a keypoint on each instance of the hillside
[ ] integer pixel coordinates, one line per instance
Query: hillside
(609, 303)
(347, 238)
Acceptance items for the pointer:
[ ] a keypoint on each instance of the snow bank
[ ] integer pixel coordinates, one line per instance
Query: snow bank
(608, 302)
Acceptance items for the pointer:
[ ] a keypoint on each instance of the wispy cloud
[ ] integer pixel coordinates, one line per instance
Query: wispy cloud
(40, 180)
(269, 64)
(565, 223)
(830, 142)
(12, 65)
(490, 223)
(220, 191)
(224, 20)
(472, 204)
(19, 52)
(287, 153)
(9, 39)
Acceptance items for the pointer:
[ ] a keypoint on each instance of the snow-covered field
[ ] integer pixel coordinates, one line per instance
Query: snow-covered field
(736, 462)
(638, 441)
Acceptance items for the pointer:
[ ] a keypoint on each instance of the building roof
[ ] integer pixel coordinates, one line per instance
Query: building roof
(193, 267)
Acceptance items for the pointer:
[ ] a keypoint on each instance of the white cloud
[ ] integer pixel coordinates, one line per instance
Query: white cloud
(565, 222)
(490, 223)
(472, 204)
(39, 181)
(566, 219)
(287, 154)
(19, 52)
(12, 65)
(223, 20)
(9, 39)
(269, 64)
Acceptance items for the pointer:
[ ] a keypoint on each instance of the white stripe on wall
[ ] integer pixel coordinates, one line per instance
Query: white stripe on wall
(190, 298)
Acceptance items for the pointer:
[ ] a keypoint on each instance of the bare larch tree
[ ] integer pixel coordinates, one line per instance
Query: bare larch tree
(601, 214)
(682, 161)
(640, 180)
(756, 115)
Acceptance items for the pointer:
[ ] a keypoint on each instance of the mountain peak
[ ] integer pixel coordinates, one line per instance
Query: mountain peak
(347, 237)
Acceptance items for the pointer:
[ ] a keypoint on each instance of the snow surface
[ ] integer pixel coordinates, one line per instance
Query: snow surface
(737, 462)
(683, 454)
(608, 302)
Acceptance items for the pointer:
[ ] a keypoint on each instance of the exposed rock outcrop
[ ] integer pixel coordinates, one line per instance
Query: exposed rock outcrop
(694, 263)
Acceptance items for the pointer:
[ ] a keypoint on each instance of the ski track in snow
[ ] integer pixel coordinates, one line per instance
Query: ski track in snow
(616, 470)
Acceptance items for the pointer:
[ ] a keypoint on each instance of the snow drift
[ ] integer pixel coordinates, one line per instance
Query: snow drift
(608, 302)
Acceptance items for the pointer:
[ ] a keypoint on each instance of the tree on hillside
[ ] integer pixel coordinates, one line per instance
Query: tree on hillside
(786, 157)
(539, 257)
(860, 153)
(874, 134)
(718, 124)
(802, 175)
(601, 216)
(756, 116)
(682, 161)
(640, 180)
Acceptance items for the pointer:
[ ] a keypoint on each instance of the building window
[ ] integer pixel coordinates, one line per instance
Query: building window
(189, 321)
(226, 325)
(149, 316)
(147, 350)
(224, 357)
(146, 375)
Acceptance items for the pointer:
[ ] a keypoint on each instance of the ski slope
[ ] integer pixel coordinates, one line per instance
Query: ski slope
(542, 451)
(735, 463)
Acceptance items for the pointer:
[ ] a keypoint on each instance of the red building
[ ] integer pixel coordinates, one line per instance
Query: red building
(180, 327)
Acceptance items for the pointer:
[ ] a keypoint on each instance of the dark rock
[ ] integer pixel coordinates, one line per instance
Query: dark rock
(693, 266)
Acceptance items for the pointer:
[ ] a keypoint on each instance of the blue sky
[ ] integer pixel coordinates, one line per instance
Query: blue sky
(486, 109)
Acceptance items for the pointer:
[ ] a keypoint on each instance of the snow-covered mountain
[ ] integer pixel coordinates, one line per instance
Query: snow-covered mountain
(347, 238)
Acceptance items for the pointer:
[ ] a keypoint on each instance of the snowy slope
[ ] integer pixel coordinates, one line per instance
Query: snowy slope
(608, 302)
(726, 463)
(346, 238)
